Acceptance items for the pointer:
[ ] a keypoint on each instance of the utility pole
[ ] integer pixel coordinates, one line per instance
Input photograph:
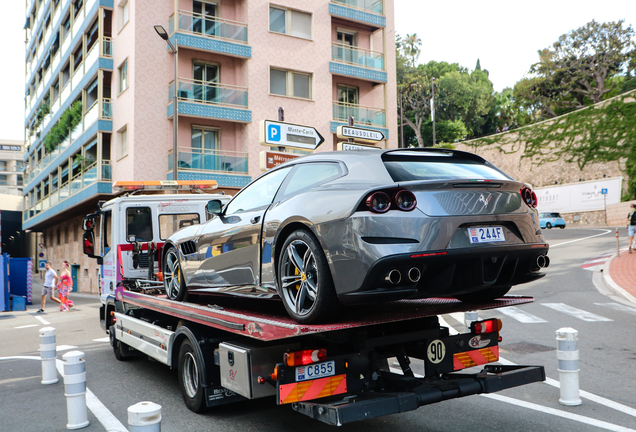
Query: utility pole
(433, 107)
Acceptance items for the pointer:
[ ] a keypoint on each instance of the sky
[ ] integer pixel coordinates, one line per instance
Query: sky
(504, 35)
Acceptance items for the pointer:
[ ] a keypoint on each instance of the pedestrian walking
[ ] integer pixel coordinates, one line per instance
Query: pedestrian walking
(50, 281)
(631, 225)
(64, 288)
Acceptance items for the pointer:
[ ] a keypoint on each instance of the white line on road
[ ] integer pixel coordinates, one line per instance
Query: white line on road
(99, 410)
(576, 313)
(42, 320)
(584, 238)
(520, 315)
(564, 414)
(26, 326)
(451, 329)
(618, 307)
(104, 339)
(65, 347)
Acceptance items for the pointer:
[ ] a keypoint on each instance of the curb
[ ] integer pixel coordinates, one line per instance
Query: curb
(610, 282)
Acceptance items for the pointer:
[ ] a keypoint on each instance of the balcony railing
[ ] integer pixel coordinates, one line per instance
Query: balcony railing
(107, 108)
(213, 27)
(375, 6)
(224, 161)
(209, 93)
(107, 47)
(361, 114)
(357, 56)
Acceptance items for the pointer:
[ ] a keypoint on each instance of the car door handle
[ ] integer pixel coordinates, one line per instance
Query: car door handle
(255, 219)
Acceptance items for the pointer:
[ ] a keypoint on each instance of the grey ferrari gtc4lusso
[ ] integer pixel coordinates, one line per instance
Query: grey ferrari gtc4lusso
(342, 228)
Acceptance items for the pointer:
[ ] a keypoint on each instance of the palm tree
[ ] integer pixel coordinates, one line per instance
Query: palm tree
(412, 47)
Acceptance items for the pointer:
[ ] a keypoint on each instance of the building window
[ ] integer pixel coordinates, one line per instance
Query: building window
(124, 13)
(290, 22)
(77, 57)
(290, 83)
(203, 20)
(123, 76)
(66, 236)
(204, 142)
(122, 142)
(58, 236)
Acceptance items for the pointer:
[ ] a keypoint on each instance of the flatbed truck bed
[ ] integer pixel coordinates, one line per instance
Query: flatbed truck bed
(237, 349)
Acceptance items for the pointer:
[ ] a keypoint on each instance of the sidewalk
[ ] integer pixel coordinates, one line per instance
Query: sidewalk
(36, 294)
(620, 274)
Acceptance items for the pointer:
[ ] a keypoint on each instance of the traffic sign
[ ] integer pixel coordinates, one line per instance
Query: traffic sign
(360, 134)
(281, 134)
(347, 146)
(603, 191)
(270, 159)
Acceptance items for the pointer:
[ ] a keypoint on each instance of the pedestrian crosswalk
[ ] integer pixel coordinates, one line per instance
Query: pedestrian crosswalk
(547, 313)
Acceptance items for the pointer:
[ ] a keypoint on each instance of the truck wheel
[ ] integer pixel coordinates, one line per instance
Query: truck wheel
(189, 378)
(304, 281)
(483, 295)
(116, 344)
(173, 278)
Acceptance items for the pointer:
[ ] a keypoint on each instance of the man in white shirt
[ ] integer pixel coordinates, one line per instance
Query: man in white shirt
(50, 282)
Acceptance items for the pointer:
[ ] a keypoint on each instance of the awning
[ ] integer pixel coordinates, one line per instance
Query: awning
(91, 145)
(27, 24)
(92, 86)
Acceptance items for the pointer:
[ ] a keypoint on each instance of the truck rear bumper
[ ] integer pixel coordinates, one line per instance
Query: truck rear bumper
(415, 392)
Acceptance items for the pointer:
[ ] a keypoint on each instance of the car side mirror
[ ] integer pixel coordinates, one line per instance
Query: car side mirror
(214, 207)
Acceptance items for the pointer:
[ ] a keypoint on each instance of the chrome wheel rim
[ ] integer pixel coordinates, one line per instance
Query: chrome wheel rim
(299, 277)
(190, 375)
(172, 275)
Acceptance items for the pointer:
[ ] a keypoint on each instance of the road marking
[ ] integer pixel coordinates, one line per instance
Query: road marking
(576, 313)
(520, 315)
(99, 410)
(104, 339)
(42, 320)
(618, 307)
(64, 347)
(443, 323)
(584, 238)
(26, 326)
(555, 412)
(459, 317)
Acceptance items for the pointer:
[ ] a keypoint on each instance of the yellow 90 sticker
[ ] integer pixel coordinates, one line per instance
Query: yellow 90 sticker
(436, 351)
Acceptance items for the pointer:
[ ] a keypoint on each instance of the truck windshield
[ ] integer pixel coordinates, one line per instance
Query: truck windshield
(139, 223)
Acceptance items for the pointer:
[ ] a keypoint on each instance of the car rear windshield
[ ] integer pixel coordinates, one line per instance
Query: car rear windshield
(402, 167)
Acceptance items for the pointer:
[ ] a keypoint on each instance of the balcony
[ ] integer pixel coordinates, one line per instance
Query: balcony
(363, 11)
(362, 115)
(210, 100)
(228, 168)
(357, 63)
(211, 34)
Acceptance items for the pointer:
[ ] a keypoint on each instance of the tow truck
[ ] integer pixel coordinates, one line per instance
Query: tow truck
(228, 350)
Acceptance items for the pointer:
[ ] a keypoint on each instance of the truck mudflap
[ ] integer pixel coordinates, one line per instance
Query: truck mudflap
(416, 392)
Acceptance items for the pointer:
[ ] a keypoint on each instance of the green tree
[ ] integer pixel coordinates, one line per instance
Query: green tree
(412, 47)
(580, 66)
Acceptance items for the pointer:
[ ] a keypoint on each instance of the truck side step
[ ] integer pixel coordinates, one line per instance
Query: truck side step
(491, 379)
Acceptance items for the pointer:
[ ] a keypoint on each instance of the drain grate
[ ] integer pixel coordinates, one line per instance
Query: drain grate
(526, 348)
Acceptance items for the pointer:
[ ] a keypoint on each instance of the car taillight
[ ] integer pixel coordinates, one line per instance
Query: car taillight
(405, 200)
(529, 197)
(304, 357)
(486, 326)
(379, 202)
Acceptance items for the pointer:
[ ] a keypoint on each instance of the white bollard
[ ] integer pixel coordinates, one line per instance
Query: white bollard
(568, 357)
(48, 354)
(470, 317)
(75, 389)
(144, 417)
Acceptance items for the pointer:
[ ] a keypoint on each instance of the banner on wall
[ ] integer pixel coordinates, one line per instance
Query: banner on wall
(590, 195)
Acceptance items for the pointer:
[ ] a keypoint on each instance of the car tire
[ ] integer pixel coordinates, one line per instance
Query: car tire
(190, 377)
(548, 225)
(117, 345)
(483, 295)
(173, 279)
(304, 281)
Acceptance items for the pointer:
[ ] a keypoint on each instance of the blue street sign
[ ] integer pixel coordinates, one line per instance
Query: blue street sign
(273, 132)
(604, 191)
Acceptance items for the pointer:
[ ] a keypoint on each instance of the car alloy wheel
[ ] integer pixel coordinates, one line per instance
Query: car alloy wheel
(548, 225)
(305, 283)
(173, 279)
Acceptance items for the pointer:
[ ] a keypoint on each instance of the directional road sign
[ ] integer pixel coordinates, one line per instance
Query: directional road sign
(360, 134)
(281, 134)
(270, 159)
(355, 147)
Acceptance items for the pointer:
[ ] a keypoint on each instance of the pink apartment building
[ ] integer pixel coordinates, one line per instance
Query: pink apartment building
(99, 88)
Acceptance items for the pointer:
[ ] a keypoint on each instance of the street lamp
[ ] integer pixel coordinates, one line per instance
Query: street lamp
(175, 117)
(408, 87)
(433, 107)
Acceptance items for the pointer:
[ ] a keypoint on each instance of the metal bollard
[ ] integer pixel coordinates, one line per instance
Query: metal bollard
(48, 354)
(568, 357)
(144, 417)
(75, 389)
(469, 317)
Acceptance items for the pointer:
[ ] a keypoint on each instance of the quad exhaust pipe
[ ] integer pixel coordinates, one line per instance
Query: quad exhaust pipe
(394, 277)
(414, 274)
(543, 261)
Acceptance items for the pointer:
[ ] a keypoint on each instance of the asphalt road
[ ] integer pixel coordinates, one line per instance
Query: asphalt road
(607, 377)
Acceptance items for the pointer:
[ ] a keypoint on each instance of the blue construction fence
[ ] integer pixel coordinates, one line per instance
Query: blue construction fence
(16, 283)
